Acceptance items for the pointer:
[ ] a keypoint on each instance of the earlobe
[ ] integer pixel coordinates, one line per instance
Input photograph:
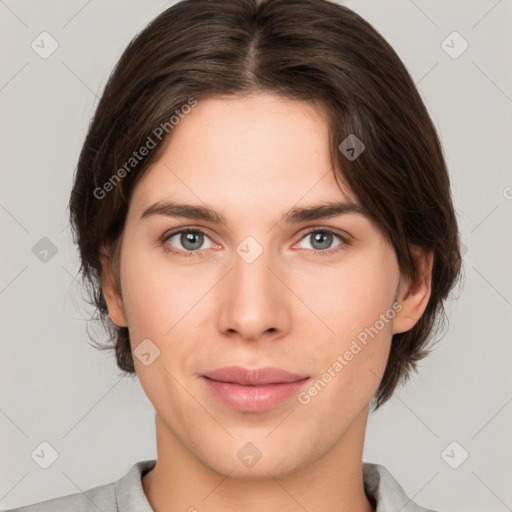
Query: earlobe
(414, 296)
(111, 291)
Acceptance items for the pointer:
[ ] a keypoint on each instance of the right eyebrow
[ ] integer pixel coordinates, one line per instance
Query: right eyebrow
(190, 211)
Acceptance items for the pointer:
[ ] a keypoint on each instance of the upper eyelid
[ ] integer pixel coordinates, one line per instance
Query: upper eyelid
(308, 230)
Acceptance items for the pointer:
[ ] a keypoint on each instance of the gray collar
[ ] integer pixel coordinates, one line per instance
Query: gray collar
(386, 491)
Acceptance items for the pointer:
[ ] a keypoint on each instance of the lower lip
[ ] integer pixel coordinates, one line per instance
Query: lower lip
(253, 398)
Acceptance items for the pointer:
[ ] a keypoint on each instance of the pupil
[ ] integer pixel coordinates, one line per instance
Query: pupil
(326, 237)
(188, 239)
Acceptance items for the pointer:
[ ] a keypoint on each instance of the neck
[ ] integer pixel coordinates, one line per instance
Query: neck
(334, 481)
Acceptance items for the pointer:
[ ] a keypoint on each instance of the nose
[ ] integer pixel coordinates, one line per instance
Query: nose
(254, 303)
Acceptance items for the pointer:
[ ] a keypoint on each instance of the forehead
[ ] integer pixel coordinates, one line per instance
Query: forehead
(252, 154)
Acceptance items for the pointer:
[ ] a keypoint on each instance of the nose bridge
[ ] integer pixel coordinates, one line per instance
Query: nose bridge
(253, 302)
(251, 274)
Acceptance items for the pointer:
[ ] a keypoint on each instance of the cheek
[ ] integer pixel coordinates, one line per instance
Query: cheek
(354, 296)
(157, 303)
(151, 298)
(357, 305)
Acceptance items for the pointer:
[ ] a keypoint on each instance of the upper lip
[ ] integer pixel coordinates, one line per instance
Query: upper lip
(254, 377)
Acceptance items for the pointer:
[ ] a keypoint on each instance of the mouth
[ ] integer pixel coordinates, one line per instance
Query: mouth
(255, 390)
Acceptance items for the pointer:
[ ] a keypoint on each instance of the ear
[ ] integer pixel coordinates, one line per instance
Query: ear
(414, 295)
(111, 291)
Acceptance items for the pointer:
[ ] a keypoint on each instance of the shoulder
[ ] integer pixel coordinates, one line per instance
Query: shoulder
(125, 494)
(98, 498)
(389, 496)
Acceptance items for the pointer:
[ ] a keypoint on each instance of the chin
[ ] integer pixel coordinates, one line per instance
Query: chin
(245, 461)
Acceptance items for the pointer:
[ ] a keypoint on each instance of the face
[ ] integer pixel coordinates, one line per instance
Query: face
(256, 290)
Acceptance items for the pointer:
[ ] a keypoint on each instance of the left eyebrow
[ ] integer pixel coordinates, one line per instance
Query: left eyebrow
(292, 216)
(323, 211)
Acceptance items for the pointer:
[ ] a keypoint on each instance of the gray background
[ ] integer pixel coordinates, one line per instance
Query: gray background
(55, 387)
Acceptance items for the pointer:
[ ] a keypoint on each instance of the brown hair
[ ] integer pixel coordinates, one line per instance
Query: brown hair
(310, 50)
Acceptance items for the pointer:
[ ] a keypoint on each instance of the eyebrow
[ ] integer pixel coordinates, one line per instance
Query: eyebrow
(292, 216)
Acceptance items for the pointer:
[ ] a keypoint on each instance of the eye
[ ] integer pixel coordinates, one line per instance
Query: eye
(322, 239)
(191, 240)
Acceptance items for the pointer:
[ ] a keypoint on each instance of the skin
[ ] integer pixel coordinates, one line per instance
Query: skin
(252, 159)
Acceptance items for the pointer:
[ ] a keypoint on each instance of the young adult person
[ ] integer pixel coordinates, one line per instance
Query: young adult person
(264, 217)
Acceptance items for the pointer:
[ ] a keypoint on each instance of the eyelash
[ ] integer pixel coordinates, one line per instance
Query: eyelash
(315, 252)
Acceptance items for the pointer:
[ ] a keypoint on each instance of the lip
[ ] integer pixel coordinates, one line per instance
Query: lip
(253, 390)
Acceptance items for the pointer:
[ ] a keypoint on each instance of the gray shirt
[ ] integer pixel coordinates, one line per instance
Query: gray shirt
(127, 494)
